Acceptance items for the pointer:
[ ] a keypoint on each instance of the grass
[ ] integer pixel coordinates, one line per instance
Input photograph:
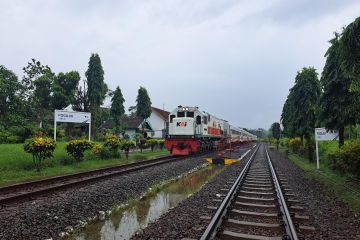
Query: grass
(335, 182)
(16, 165)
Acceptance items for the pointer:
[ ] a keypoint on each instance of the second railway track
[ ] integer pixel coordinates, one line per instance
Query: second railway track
(23, 191)
(258, 205)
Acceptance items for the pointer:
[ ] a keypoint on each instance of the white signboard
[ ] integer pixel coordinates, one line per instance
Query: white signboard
(73, 117)
(322, 135)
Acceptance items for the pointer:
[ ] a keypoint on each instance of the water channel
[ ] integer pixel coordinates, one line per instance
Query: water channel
(123, 223)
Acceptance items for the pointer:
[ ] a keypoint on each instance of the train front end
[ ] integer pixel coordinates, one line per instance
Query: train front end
(182, 130)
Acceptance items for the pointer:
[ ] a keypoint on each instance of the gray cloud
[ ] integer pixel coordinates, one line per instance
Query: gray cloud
(236, 59)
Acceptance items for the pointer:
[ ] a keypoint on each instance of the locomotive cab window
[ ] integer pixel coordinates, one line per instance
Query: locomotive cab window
(190, 114)
(181, 114)
(205, 120)
(172, 118)
(198, 119)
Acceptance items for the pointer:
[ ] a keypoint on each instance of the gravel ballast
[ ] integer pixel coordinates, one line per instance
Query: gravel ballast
(331, 218)
(185, 220)
(47, 216)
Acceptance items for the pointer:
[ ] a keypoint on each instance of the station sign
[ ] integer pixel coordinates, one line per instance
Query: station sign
(322, 135)
(72, 117)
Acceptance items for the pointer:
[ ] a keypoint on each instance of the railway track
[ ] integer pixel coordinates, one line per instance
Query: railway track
(23, 191)
(258, 205)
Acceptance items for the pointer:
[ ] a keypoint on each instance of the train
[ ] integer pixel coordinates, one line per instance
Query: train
(192, 130)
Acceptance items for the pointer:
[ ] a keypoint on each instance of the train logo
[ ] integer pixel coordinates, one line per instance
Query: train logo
(181, 124)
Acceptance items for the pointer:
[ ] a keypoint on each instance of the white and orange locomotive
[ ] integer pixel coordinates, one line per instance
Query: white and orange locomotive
(192, 131)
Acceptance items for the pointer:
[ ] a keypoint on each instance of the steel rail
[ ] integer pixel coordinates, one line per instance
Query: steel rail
(78, 174)
(289, 225)
(87, 178)
(216, 221)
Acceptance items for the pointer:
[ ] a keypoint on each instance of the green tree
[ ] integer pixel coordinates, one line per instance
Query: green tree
(339, 106)
(97, 88)
(42, 97)
(143, 104)
(10, 97)
(81, 100)
(117, 109)
(300, 110)
(350, 53)
(64, 89)
(275, 130)
(33, 71)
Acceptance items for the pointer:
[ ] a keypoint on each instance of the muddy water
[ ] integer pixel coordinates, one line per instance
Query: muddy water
(122, 224)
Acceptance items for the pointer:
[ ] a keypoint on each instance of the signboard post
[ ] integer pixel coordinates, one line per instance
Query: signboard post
(73, 117)
(322, 135)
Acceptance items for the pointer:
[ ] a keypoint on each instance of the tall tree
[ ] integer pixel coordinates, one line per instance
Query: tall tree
(300, 110)
(10, 97)
(339, 106)
(117, 109)
(97, 88)
(81, 101)
(143, 103)
(33, 71)
(275, 130)
(350, 53)
(64, 89)
(42, 96)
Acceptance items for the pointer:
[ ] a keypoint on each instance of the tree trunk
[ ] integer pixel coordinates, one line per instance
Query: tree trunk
(341, 136)
(310, 148)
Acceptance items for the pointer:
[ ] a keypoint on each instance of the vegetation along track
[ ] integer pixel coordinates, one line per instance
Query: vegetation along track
(27, 190)
(259, 205)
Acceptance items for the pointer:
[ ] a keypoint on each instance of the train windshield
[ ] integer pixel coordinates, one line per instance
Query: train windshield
(181, 114)
(190, 114)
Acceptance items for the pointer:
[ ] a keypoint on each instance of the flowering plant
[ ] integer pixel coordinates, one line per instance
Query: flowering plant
(41, 148)
(114, 144)
(76, 148)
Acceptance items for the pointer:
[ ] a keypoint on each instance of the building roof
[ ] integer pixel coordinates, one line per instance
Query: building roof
(162, 113)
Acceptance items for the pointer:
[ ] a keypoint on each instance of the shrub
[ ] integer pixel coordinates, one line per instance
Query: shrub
(347, 159)
(76, 148)
(161, 143)
(114, 144)
(126, 146)
(41, 148)
(102, 151)
(152, 143)
(295, 144)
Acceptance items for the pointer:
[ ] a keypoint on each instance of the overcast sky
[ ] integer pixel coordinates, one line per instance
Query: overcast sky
(236, 59)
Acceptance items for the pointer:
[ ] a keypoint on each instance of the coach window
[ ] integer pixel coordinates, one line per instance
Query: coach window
(181, 114)
(172, 118)
(190, 114)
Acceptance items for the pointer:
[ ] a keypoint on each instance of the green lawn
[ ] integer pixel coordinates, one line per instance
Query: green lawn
(337, 184)
(16, 165)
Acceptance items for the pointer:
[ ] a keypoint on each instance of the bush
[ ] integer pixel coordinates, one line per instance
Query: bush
(161, 143)
(347, 159)
(126, 146)
(295, 145)
(102, 151)
(76, 148)
(41, 148)
(152, 143)
(114, 144)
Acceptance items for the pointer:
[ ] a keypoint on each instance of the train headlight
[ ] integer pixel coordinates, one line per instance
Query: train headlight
(187, 109)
